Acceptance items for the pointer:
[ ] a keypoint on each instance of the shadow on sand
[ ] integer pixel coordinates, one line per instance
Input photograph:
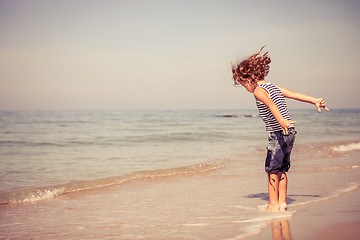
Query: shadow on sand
(290, 198)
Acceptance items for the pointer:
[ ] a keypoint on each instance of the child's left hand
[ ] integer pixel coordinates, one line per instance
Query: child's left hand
(320, 103)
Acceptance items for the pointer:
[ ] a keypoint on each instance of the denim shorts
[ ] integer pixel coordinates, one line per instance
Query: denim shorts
(279, 150)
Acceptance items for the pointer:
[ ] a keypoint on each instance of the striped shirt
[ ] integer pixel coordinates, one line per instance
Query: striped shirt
(278, 98)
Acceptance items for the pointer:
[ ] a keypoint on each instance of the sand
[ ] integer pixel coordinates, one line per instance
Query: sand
(214, 205)
(337, 218)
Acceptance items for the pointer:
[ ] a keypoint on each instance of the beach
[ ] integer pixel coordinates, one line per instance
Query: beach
(337, 218)
(179, 196)
(209, 204)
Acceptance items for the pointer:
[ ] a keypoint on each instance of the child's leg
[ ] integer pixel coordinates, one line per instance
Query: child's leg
(273, 187)
(282, 190)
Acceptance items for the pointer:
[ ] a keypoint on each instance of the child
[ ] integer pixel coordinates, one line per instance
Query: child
(270, 100)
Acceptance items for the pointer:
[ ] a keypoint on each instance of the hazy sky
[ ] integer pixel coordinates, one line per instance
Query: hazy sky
(84, 54)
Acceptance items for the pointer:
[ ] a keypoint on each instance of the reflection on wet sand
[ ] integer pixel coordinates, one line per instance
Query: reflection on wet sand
(281, 230)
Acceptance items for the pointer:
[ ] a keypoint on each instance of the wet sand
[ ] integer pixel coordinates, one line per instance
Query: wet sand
(337, 218)
(208, 206)
(204, 206)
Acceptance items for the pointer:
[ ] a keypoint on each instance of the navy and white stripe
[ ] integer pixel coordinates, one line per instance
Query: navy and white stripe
(278, 98)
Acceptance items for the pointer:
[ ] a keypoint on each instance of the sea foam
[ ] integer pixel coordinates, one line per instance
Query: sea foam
(347, 147)
(47, 192)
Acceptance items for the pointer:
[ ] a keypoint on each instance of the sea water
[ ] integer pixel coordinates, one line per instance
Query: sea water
(39, 148)
(162, 174)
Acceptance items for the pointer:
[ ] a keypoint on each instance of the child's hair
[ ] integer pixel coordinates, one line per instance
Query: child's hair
(252, 69)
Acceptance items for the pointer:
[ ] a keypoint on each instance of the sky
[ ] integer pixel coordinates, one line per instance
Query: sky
(117, 54)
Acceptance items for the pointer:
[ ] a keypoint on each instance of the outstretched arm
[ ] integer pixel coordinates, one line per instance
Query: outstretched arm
(318, 102)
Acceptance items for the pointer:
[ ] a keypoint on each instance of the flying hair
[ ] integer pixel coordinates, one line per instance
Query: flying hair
(252, 69)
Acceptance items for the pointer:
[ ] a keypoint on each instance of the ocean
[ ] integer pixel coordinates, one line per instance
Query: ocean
(162, 174)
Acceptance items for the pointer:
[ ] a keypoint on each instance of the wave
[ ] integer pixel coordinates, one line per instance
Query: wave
(353, 187)
(159, 137)
(260, 223)
(328, 169)
(239, 116)
(27, 143)
(42, 193)
(347, 147)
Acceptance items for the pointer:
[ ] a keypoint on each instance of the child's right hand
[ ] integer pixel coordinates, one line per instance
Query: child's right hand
(320, 103)
(285, 124)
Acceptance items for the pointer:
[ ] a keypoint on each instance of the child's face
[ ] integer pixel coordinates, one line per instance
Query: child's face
(244, 83)
(249, 87)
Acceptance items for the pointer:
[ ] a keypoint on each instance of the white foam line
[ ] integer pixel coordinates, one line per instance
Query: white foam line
(40, 195)
(262, 222)
(339, 193)
(195, 224)
(252, 232)
(347, 147)
(12, 224)
(34, 195)
(270, 217)
(215, 217)
(243, 207)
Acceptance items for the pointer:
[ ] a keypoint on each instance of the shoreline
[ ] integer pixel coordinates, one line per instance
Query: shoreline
(158, 209)
(336, 218)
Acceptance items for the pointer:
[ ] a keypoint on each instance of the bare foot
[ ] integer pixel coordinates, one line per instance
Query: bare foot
(273, 207)
(283, 207)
